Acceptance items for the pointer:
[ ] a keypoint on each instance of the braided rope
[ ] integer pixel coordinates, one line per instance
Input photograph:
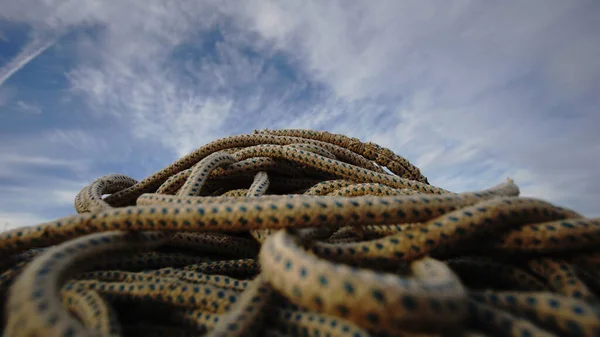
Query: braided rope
(300, 233)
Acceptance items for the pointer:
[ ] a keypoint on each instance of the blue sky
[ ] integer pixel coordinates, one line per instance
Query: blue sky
(471, 92)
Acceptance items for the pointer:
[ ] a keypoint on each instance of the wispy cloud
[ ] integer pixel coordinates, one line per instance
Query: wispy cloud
(47, 170)
(11, 220)
(13, 159)
(52, 198)
(30, 108)
(32, 50)
(151, 104)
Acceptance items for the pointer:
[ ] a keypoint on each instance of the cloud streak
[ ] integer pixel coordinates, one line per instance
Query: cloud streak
(30, 108)
(41, 175)
(32, 50)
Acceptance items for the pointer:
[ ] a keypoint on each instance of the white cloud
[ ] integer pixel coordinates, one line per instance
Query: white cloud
(33, 49)
(30, 108)
(12, 220)
(50, 195)
(79, 141)
(402, 47)
(10, 159)
(509, 83)
(153, 106)
(47, 171)
(25, 156)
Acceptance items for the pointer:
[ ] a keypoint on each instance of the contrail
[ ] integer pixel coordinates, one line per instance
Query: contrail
(29, 52)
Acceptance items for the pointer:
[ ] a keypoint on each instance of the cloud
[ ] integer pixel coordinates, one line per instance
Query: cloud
(12, 220)
(464, 88)
(32, 50)
(47, 196)
(365, 51)
(40, 176)
(154, 107)
(78, 140)
(12, 161)
(30, 108)
(41, 152)
(29, 181)
(190, 95)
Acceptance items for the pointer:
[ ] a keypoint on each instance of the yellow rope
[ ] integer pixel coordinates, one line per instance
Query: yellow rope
(301, 233)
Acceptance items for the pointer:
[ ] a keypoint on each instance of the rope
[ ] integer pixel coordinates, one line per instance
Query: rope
(300, 233)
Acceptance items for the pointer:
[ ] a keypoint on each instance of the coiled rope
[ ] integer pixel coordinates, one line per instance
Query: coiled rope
(301, 233)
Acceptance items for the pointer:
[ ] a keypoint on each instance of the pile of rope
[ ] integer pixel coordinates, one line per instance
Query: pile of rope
(301, 233)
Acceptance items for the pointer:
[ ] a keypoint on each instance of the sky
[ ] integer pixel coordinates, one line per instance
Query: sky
(471, 92)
